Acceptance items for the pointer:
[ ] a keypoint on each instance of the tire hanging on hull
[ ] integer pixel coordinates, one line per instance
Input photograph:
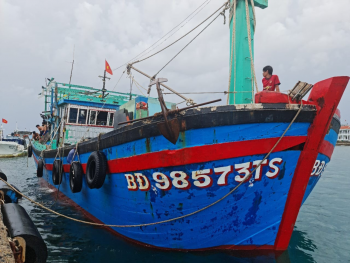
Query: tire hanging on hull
(40, 169)
(76, 177)
(57, 172)
(3, 176)
(96, 170)
(30, 151)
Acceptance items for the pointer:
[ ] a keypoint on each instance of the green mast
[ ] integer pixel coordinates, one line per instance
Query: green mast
(241, 82)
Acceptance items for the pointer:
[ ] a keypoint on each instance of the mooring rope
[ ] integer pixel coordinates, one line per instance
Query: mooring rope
(172, 219)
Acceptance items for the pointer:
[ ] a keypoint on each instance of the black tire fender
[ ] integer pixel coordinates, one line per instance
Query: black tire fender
(40, 169)
(96, 169)
(30, 151)
(57, 172)
(3, 176)
(76, 177)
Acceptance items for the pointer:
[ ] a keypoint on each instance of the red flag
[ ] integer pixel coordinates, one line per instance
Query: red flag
(4, 121)
(108, 68)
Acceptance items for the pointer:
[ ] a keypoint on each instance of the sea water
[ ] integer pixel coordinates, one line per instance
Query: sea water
(321, 233)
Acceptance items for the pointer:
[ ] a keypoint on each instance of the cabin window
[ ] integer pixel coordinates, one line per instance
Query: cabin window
(92, 118)
(73, 114)
(82, 116)
(110, 121)
(102, 118)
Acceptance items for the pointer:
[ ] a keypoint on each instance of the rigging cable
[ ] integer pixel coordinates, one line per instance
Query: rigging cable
(185, 34)
(201, 7)
(174, 32)
(250, 47)
(221, 13)
(209, 92)
(233, 49)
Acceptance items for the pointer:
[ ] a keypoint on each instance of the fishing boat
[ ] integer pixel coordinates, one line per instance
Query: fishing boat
(14, 144)
(202, 177)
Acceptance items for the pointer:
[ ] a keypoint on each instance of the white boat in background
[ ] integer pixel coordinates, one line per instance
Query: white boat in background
(13, 145)
(11, 149)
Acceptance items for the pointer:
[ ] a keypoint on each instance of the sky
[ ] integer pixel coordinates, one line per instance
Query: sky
(302, 40)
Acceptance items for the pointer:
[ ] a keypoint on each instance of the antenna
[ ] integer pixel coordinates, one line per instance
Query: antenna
(131, 82)
(71, 72)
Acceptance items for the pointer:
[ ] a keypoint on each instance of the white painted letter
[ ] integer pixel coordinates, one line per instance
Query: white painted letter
(224, 171)
(163, 181)
(320, 168)
(244, 169)
(202, 180)
(143, 182)
(132, 186)
(276, 170)
(180, 180)
(316, 165)
(258, 171)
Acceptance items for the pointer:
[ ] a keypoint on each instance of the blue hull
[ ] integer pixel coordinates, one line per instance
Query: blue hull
(249, 217)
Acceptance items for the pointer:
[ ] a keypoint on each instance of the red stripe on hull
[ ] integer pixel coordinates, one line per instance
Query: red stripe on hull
(201, 154)
(326, 96)
(327, 148)
(196, 154)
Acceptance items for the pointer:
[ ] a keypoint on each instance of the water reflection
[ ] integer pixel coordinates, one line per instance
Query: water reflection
(300, 247)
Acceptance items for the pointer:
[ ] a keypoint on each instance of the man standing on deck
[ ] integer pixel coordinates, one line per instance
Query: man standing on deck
(270, 82)
(41, 129)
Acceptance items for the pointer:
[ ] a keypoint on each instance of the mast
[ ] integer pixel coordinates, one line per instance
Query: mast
(71, 72)
(104, 83)
(241, 82)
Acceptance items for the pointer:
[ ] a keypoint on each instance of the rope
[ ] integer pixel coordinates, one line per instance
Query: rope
(54, 132)
(233, 52)
(254, 17)
(172, 219)
(175, 31)
(201, 6)
(118, 80)
(250, 48)
(138, 86)
(59, 158)
(76, 152)
(209, 92)
(183, 35)
(193, 39)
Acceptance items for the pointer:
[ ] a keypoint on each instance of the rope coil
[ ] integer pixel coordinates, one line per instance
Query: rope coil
(172, 219)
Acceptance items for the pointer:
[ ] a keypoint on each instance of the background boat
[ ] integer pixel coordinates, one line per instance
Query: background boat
(15, 144)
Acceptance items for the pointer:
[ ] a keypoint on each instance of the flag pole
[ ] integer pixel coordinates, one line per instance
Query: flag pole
(104, 79)
(104, 84)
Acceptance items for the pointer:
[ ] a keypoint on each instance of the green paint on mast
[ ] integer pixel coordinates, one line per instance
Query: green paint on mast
(241, 81)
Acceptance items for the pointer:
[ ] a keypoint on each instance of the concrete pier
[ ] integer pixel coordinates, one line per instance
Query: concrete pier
(6, 255)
